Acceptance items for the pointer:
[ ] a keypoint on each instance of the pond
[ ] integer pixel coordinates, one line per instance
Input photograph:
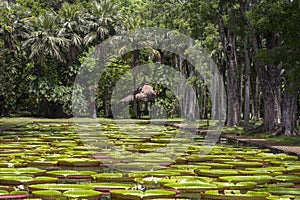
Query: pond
(113, 161)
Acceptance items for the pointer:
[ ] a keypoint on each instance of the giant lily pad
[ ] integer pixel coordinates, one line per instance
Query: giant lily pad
(282, 191)
(61, 187)
(43, 163)
(257, 179)
(217, 165)
(3, 192)
(41, 180)
(105, 187)
(13, 195)
(234, 195)
(268, 169)
(29, 170)
(293, 169)
(245, 164)
(159, 173)
(14, 179)
(138, 166)
(216, 172)
(18, 195)
(278, 185)
(257, 172)
(13, 163)
(199, 158)
(243, 186)
(47, 194)
(192, 187)
(112, 177)
(85, 194)
(288, 178)
(185, 179)
(137, 194)
(149, 181)
(79, 162)
(71, 174)
(183, 166)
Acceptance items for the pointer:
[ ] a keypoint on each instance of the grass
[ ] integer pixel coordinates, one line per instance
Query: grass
(289, 141)
(234, 130)
(285, 140)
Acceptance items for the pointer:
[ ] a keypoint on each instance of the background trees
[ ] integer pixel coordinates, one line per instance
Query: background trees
(255, 44)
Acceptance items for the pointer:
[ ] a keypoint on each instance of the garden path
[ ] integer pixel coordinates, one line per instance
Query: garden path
(275, 147)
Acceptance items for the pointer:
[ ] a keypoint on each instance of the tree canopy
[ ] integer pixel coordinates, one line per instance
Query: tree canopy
(254, 43)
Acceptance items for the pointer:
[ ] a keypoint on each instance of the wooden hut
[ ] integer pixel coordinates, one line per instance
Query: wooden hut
(141, 96)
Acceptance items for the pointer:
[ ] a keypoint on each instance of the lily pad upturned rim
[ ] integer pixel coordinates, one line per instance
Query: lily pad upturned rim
(110, 186)
(3, 192)
(258, 179)
(233, 195)
(192, 187)
(13, 195)
(217, 172)
(281, 191)
(60, 187)
(67, 173)
(47, 193)
(141, 194)
(80, 193)
(15, 179)
(27, 170)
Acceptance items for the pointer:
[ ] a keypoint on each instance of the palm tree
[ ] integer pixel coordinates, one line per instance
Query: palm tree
(72, 27)
(45, 49)
(104, 19)
(44, 42)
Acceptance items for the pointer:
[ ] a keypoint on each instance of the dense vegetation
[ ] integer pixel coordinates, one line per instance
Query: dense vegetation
(255, 44)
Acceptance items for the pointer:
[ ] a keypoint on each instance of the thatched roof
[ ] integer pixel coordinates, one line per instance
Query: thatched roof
(144, 93)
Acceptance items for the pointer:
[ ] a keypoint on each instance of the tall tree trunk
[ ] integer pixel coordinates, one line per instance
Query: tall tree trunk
(192, 108)
(271, 110)
(289, 111)
(233, 103)
(1, 105)
(105, 105)
(93, 101)
(135, 63)
(203, 98)
(135, 104)
(247, 87)
(270, 83)
(250, 75)
(94, 109)
(255, 105)
(229, 47)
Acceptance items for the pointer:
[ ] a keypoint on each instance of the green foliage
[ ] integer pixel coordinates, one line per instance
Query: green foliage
(36, 6)
(44, 43)
(281, 18)
(40, 43)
